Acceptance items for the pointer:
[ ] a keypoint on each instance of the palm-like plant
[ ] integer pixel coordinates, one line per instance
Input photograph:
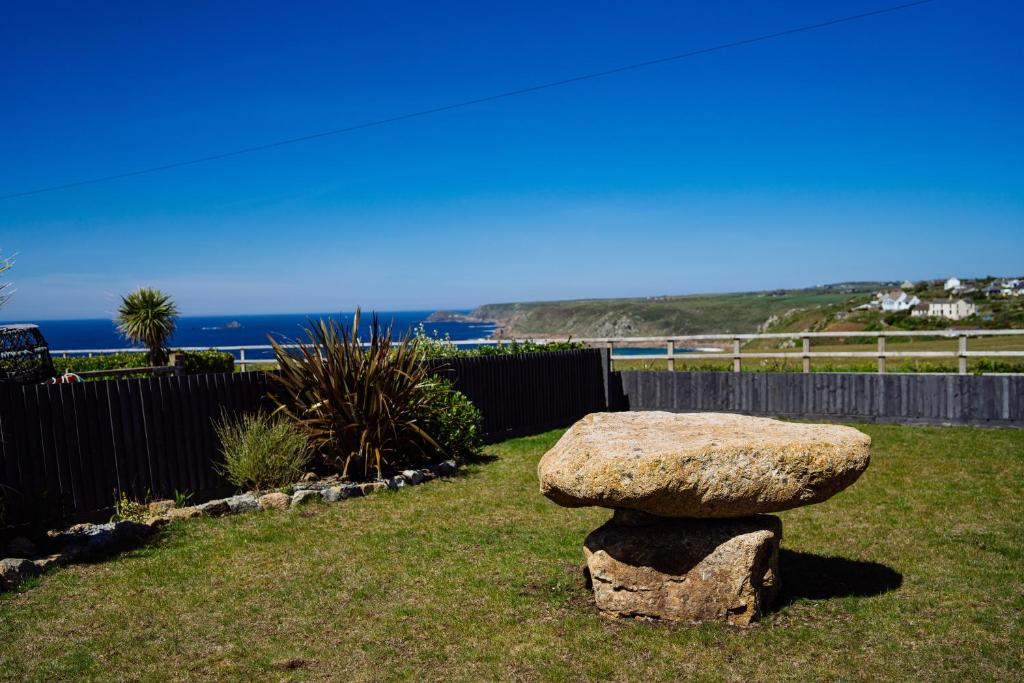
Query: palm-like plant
(147, 316)
(361, 405)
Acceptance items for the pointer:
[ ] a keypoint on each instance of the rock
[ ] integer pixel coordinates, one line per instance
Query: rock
(14, 570)
(95, 540)
(366, 488)
(245, 502)
(303, 497)
(723, 570)
(412, 477)
(184, 513)
(335, 493)
(396, 482)
(446, 469)
(214, 508)
(275, 501)
(700, 464)
(20, 546)
(160, 508)
(47, 561)
(309, 477)
(310, 486)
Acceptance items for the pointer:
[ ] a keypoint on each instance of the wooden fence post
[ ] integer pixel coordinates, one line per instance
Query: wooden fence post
(881, 353)
(807, 358)
(963, 355)
(611, 350)
(670, 347)
(736, 354)
(241, 360)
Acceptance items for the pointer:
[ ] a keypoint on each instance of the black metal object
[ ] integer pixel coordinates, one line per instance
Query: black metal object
(24, 355)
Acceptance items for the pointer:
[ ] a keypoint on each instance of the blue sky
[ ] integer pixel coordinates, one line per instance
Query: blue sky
(890, 147)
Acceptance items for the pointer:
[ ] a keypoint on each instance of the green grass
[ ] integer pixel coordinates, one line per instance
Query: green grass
(740, 312)
(914, 573)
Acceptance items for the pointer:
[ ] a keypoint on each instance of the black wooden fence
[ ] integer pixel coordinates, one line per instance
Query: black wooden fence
(68, 450)
(532, 392)
(987, 400)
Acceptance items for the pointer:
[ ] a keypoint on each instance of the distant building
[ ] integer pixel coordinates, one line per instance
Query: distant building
(952, 309)
(1011, 288)
(907, 284)
(897, 300)
(952, 285)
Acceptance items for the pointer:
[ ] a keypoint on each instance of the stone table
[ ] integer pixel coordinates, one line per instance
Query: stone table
(690, 540)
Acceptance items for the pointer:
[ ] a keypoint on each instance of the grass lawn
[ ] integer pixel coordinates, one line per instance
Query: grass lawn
(916, 572)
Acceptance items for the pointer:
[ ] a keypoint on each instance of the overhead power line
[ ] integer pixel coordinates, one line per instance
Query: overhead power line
(469, 103)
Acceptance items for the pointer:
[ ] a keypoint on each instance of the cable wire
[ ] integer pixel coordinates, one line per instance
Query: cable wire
(469, 103)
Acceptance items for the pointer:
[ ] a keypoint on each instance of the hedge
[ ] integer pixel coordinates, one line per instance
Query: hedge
(196, 362)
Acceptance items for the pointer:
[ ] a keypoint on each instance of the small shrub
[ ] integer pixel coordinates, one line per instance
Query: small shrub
(261, 451)
(181, 498)
(452, 419)
(208, 361)
(126, 509)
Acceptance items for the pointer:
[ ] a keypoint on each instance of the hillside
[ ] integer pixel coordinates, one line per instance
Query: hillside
(676, 315)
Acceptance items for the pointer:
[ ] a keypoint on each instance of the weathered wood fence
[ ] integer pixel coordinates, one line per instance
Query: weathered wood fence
(68, 450)
(532, 392)
(996, 401)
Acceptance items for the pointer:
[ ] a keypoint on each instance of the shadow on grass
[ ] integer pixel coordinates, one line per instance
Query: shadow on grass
(806, 576)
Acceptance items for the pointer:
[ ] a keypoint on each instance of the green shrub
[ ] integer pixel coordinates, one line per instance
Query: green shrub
(452, 419)
(126, 509)
(196, 362)
(261, 451)
(433, 346)
(360, 405)
(210, 360)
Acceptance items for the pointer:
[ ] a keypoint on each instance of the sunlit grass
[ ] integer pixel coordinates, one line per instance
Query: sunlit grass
(913, 573)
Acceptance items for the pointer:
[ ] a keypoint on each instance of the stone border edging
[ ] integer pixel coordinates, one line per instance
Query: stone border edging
(90, 542)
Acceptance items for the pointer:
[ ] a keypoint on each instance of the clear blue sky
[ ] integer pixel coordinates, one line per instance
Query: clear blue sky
(885, 148)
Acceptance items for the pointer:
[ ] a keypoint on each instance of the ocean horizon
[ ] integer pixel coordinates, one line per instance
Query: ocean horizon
(210, 331)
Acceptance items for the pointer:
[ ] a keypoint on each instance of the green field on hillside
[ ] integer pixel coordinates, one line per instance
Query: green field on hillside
(743, 312)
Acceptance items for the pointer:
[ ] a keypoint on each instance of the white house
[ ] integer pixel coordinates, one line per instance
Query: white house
(952, 284)
(953, 309)
(898, 301)
(1011, 288)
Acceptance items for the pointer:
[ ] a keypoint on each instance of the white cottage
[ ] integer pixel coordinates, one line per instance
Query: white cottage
(953, 309)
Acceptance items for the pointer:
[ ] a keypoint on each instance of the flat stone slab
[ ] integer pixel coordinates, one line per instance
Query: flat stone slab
(695, 570)
(700, 464)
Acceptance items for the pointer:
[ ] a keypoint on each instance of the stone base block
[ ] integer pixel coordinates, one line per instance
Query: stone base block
(685, 569)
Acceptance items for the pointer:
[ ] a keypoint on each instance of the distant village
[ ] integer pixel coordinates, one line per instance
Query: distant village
(960, 300)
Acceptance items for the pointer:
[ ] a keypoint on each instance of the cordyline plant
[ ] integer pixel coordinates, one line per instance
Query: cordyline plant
(360, 404)
(147, 316)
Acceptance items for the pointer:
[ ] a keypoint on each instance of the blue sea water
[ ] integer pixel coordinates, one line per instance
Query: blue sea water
(244, 330)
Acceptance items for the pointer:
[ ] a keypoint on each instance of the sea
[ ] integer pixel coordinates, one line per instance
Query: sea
(79, 337)
(245, 330)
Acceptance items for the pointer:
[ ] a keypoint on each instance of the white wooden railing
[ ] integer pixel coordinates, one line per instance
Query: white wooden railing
(689, 347)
